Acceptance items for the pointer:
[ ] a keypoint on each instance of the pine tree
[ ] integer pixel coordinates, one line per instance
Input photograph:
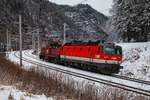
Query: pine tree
(132, 18)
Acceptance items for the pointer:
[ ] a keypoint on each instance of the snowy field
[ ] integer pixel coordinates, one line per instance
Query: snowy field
(11, 93)
(136, 62)
(11, 56)
(104, 77)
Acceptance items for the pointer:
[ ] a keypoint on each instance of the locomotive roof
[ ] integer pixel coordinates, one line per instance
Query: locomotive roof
(87, 43)
(81, 43)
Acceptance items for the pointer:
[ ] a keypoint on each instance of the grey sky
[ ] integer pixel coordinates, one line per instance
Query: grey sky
(102, 6)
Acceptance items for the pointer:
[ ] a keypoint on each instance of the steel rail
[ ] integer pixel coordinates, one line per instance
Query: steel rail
(94, 79)
(114, 75)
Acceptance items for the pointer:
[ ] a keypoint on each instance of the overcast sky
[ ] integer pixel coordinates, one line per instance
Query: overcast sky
(102, 6)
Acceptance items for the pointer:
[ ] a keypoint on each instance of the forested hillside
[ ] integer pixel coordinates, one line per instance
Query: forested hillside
(131, 19)
(83, 22)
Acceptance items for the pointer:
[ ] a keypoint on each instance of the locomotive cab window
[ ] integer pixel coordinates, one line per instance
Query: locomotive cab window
(119, 52)
(108, 50)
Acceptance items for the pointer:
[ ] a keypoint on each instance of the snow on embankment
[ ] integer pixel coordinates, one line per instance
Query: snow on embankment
(11, 93)
(13, 56)
(136, 60)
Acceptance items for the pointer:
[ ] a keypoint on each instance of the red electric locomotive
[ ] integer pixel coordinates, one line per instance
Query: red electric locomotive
(101, 58)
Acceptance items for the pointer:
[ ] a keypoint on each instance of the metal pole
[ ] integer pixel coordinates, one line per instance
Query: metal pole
(20, 32)
(51, 20)
(7, 40)
(38, 33)
(16, 45)
(7, 44)
(32, 41)
(64, 33)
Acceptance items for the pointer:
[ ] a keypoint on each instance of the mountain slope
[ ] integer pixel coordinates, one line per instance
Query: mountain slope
(83, 22)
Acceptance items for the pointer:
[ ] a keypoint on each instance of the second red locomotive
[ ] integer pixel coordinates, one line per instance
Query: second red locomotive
(101, 58)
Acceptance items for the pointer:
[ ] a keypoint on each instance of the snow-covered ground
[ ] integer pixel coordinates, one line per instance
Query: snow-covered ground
(136, 60)
(6, 92)
(12, 57)
(28, 55)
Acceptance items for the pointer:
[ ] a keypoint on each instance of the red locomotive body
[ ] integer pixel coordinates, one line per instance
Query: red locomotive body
(89, 53)
(99, 58)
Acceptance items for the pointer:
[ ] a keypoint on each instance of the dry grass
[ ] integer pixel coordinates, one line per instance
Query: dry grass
(56, 86)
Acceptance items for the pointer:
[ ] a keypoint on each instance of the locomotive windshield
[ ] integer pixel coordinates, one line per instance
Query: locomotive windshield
(118, 50)
(112, 50)
(108, 50)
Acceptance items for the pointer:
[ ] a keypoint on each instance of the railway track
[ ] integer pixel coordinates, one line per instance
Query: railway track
(116, 76)
(91, 78)
(132, 79)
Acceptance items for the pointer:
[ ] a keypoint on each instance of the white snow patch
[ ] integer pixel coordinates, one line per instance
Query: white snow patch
(11, 56)
(136, 64)
(136, 60)
(104, 77)
(6, 91)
